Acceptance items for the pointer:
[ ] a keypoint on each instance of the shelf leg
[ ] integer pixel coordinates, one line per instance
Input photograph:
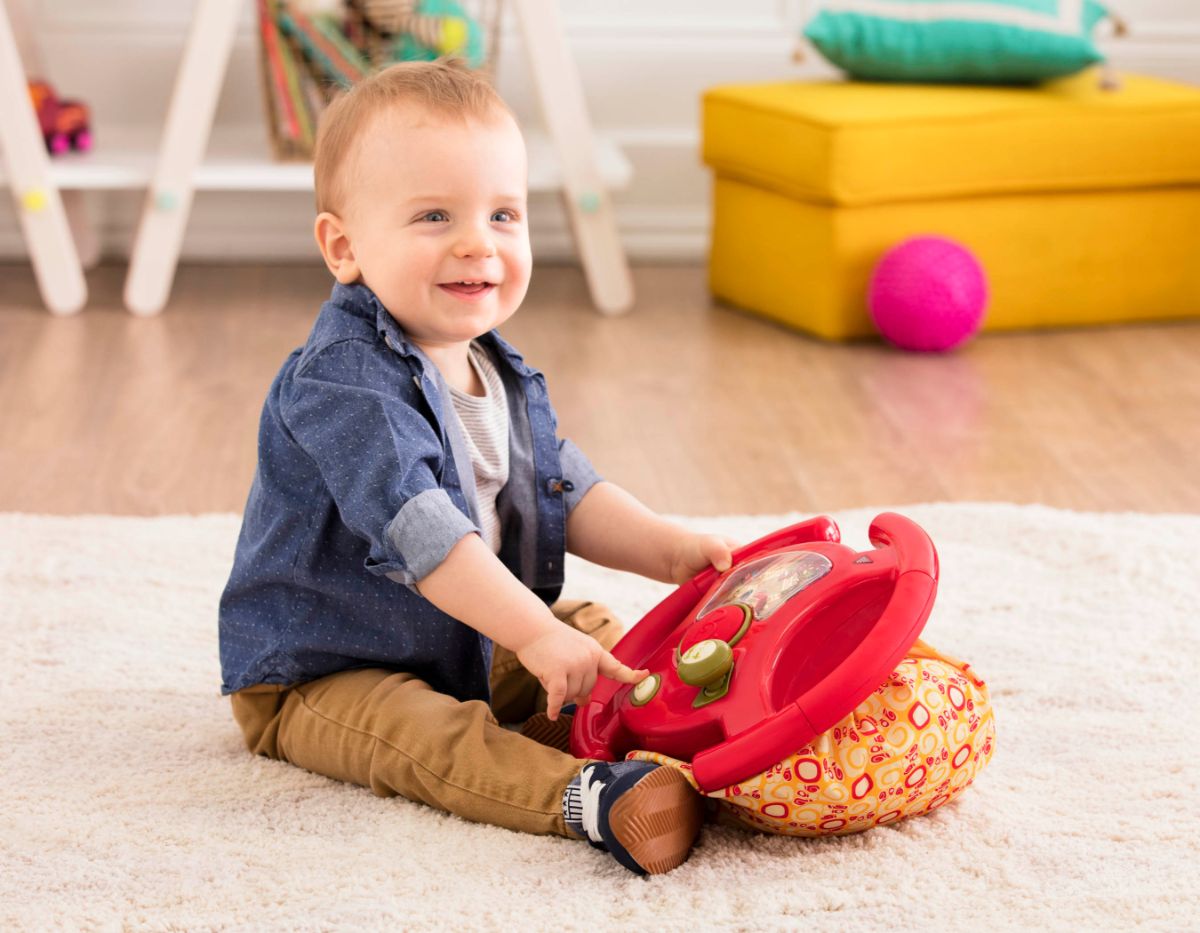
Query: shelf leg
(588, 203)
(83, 232)
(159, 237)
(39, 205)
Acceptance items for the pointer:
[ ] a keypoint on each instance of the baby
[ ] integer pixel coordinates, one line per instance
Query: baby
(394, 596)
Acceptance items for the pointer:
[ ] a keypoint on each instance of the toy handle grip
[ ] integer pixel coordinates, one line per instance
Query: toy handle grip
(899, 624)
(907, 540)
(821, 528)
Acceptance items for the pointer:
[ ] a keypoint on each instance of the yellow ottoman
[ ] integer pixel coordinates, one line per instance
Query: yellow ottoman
(1083, 205)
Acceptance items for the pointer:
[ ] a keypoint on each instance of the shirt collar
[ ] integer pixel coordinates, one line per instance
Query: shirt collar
(506, 351)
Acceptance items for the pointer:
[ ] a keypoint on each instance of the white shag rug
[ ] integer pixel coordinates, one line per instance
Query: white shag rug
(127, 801)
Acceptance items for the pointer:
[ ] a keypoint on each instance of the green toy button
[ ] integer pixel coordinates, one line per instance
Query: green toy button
(706, 662)
(713, 691)
(645, 691)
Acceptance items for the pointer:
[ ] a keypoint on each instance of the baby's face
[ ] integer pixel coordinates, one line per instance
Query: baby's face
(436, 216)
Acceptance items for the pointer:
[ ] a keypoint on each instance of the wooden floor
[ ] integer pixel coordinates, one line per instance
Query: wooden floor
(694, 408)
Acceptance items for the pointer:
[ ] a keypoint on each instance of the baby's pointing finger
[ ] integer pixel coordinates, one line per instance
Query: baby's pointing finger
(611, 667)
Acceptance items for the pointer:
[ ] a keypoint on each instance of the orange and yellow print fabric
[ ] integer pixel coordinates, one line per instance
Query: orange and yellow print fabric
(913, 745)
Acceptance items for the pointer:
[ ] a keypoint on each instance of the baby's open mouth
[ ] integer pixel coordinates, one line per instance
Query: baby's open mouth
(467, 289)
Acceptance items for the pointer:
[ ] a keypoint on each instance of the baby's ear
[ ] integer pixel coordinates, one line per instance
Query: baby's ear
(336, 248)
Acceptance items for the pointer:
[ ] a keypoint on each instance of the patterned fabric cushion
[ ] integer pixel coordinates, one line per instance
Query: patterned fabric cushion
(913, 745)
(990, 41)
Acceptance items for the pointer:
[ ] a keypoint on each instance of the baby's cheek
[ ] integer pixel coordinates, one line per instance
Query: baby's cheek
(514, 291)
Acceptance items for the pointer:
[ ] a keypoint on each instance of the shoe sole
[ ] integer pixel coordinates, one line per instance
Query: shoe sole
(556, 734)
(657, 820)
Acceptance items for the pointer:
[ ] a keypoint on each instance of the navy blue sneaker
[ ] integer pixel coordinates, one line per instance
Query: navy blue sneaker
(646, 816)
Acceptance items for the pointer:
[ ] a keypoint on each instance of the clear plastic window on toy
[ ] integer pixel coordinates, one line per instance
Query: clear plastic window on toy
(767, 583)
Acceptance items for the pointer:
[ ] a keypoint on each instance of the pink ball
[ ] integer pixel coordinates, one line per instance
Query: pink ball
(928, 293)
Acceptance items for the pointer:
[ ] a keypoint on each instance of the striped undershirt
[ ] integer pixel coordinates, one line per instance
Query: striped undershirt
(484, 421)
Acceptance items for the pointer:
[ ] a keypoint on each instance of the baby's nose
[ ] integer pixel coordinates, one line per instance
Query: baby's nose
(475, 242)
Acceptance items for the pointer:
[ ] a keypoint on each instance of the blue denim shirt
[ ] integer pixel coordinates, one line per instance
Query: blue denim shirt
(363, 486)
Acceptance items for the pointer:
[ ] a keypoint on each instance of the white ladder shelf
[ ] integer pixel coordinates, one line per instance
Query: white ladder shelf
(190, 157)
(40, 208)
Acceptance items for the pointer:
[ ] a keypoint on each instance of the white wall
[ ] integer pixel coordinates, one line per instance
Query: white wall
(644, 65)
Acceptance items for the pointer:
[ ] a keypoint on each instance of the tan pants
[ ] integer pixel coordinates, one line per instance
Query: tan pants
(392, 733)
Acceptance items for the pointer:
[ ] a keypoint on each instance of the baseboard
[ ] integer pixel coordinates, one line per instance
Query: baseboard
(649, 233)
(622, 49)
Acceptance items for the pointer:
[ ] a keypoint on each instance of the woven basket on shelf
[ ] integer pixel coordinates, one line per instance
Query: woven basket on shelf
(307, 57)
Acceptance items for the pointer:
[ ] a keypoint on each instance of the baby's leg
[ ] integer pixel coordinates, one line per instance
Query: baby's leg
(394, 734)
(516, 693)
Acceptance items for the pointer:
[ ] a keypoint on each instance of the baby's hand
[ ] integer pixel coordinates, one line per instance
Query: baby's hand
(567, 663)
(694, 553)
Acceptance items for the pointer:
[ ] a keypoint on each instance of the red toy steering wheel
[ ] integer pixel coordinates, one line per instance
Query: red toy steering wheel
(750, 665)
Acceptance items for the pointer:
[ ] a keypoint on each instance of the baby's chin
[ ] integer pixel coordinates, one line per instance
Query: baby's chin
(454, 323)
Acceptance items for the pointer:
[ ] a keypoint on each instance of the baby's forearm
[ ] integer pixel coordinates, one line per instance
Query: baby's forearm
(473, 586)
(610, 527)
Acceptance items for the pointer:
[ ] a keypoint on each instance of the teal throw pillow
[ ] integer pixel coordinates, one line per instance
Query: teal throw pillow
(967, 41)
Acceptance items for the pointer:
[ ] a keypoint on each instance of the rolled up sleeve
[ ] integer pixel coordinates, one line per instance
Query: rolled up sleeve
(578, 469)
(379, 456)
(423, 533)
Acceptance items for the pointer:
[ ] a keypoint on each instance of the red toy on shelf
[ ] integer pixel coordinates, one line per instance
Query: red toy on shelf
(65, 124)
(749, 665)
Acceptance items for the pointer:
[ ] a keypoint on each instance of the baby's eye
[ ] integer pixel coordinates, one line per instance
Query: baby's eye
(504, 216)
(435, 217)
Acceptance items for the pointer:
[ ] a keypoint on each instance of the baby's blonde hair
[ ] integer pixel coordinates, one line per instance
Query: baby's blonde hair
(445, 88)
